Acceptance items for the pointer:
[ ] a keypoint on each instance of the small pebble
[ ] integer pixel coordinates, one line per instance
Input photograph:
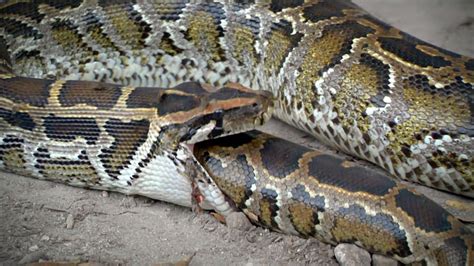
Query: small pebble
(379, 260)
(45, 238)
(251, 238)
(33, 248)
(210, 227)
(70, 221)
(238, 220)
(351, 255)
(105, 194)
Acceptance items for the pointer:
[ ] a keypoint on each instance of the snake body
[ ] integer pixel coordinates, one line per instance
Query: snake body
(296, 190)
(336, 72)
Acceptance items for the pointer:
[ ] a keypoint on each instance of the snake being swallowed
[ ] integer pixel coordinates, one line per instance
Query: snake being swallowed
(334, 71)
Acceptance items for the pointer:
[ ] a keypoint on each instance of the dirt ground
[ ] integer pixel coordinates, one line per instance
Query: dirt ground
(45, 220)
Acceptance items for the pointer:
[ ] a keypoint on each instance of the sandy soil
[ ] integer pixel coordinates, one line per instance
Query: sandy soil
(44, 220)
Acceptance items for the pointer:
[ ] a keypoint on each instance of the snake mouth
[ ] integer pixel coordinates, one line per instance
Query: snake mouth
(230, 110)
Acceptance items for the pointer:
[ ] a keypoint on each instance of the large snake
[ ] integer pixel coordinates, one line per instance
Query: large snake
(336, 72)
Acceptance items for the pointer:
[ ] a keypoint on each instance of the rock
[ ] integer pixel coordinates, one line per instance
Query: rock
(33, 257)
(105, 194)
(45, 238)
(33, 248)
(70, 221)
(379, 260)
(238, 220)
(351, 255)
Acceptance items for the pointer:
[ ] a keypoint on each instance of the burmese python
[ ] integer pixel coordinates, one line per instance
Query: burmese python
(336, 72)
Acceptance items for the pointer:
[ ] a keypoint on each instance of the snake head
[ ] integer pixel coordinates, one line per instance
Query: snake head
(193, 112)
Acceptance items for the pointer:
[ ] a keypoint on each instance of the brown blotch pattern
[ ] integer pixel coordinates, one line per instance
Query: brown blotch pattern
(302, 218)
(426, 214)
(326, 9)
(101, 95)
(411, 50)
(168, 46)
(67, 129)
(242, 43)
(354, 224)
(128, 136)
(362, 85)
(144, 97)
(12, 154)
(171, 103)
(281, 42)
(26, 90)
(329, 170)
(281, 157)
(204, 33)
(324, 53)
(31, 9)
(268, 207)
(66, 169)
(128, 23)
(65, 34)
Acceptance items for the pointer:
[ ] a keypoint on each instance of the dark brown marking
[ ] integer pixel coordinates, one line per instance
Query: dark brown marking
(171, 103)
(228, 93)
(67, 129)
(329, 170)
(279, 5)
(280, 157)
(24, 55)
(128, 136)
(26, 90)
(31, 8)
(458, 90)
(406, 48)
(282, 29)
(268, 207)
(106, 3)
(326, 10)
(167, 45)
(5, 60)
(129, 23)
(191, 88)
(95, 29)
(383, 78)
(169, 11)
(339, 39)
(304, 223)
(426, 214)
(79, 168)
(144, 97)
(16, 28)
(454, 249)
(233, 141)
(11, 154)
(98, 94)
(18, 119)
(470, 64)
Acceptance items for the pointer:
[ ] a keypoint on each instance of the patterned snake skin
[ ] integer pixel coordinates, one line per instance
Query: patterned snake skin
(295, 190)
(336, 72)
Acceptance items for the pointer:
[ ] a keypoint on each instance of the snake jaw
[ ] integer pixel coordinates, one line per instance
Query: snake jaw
(206, 195)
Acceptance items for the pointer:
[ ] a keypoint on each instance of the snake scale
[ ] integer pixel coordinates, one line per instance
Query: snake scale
(118, 95)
